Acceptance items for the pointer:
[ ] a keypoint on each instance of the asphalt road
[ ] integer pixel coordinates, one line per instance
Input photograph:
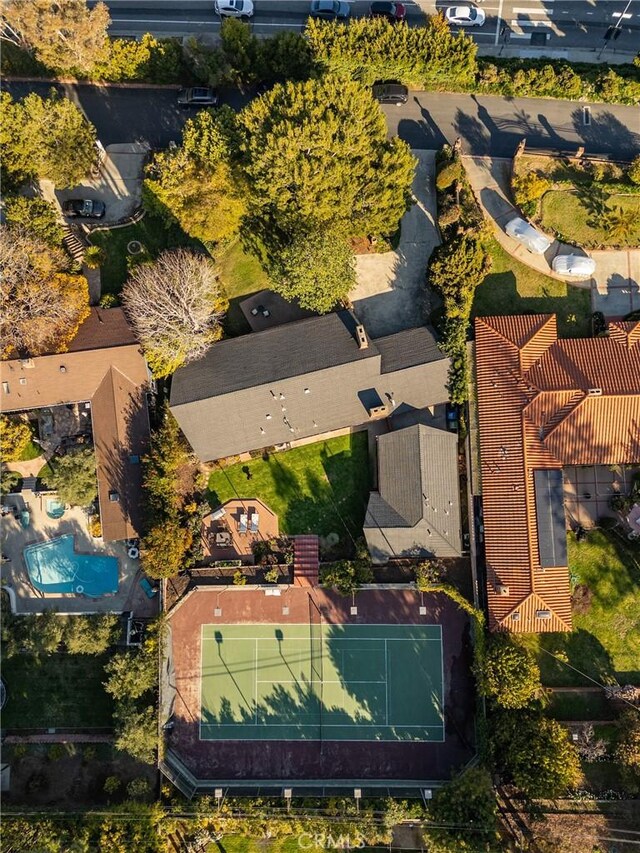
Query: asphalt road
(567, 23)
(487, 125)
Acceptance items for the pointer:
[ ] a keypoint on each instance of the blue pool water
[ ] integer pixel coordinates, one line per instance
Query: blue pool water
(54, 566)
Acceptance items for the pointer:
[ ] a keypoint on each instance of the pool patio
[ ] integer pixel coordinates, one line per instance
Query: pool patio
(15, 577)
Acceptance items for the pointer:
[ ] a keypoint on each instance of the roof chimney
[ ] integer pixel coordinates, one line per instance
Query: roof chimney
(361, 335)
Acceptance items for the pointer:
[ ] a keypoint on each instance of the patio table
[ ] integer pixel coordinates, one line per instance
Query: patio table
(633, 519)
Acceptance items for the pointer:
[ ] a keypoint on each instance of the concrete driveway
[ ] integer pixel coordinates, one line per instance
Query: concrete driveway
(389, 293)
(616, 282)
(118, 182)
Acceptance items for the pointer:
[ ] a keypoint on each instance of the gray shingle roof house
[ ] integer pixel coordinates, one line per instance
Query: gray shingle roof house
(303, 379)
(416, 510)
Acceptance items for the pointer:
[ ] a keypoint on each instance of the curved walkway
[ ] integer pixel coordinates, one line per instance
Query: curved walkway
(615, 285)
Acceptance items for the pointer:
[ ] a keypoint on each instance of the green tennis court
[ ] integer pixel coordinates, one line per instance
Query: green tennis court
(322, 682)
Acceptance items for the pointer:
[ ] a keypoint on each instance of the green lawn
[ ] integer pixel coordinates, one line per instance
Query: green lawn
(575, 218)
(151, 232)
(58, 690)
(605, 641)
(320, 488)
(241, 274)
(580, 706)
(31, 451)
(514, 288)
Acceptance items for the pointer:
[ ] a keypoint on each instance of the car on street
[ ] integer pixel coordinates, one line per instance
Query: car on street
(86, 208)
(465, 16)
(330, 10)
(199, 96)
(574, 266)
(390, 92)
(393, 12)
(526, 234)
(234, 8)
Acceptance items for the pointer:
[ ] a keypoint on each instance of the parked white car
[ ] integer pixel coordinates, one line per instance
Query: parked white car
(234, 8)
(575, 266)
(465, 16)
(526, 234)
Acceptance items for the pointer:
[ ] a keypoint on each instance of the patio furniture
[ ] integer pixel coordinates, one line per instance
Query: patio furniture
(149, 590)
(633, 519)
(255, 520)
(242, 524)
(218, 513)
(25, 518)
(266, 313)
(223, 538)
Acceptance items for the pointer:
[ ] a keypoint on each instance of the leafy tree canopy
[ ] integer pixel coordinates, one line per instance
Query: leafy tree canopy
(147, 59)
(91, 635)
(195, 184)
(468, 803)
(317, 153)
(534, 752)
(37, 216)
(317, 268)
(66, 36)
(42, 305)
(136, 732)
(509, 673)
(131, 674)
(74, 477)
(15, 437)
(46, 138)
(164, 549)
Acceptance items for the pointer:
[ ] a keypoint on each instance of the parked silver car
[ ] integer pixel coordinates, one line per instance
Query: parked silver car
(575, 266)
(526, 234)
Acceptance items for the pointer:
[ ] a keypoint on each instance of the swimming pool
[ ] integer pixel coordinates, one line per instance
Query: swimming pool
(55, 567)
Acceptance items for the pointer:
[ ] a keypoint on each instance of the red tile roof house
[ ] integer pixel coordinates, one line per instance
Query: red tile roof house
(105, 369)
(544, 403)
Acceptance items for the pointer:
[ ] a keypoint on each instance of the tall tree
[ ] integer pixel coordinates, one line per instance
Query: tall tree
(509, 674)
(64, 36)
(39, 217)
(468, 805)
(42, 305)
(175, 306)
(136, 731)
(317, 153)
(316, 267)
(15, 437)
(534, 752)
(46, 138)
(131, 674)
(91, 635)
(74, 477)
(195, 183)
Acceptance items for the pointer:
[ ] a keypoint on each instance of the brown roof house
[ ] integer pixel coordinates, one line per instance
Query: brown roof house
(105, 370)
(303, 379)
(544, 403)
(416, 509)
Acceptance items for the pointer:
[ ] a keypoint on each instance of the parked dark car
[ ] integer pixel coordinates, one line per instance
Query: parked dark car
(390, 92)
(85, 207)
(393, 12)
(330, 10)
(453, 419)
(200, 96)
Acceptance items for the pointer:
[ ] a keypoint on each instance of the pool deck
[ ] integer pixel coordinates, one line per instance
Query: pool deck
(42, 528)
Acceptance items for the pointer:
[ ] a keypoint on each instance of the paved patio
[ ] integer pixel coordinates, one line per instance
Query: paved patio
(15, 578)
(587, 490)
(223, 537)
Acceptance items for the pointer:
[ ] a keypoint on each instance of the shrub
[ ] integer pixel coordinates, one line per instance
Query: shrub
(56, 751)
(112, 784)
(449, 174)
(37, 216)
(74, 477)
(138, 788)
(15, 437)
(148, 60)
(509, 674)
(95, 526)
(94, 257)
(272, 575)
(619, 503)
(529, 187)
(239, 578)
(633, 172)
(428, 573)
(109, 300)
(346, 575)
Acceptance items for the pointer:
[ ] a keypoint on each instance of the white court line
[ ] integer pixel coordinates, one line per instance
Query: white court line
(347, 639)
(442, 680)
(255, 678)
(527, 11)
(328, 725)
(202, 627)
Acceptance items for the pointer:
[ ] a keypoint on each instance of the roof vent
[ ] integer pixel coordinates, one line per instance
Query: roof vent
(501, 589)
(23, 380)
(378, 412)
(114, 496)
(515, 616)
(5, 387)
(63, 369)
(543, 614)
(361, 335)
(27, 363)
(595, 392)
(307, 390)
